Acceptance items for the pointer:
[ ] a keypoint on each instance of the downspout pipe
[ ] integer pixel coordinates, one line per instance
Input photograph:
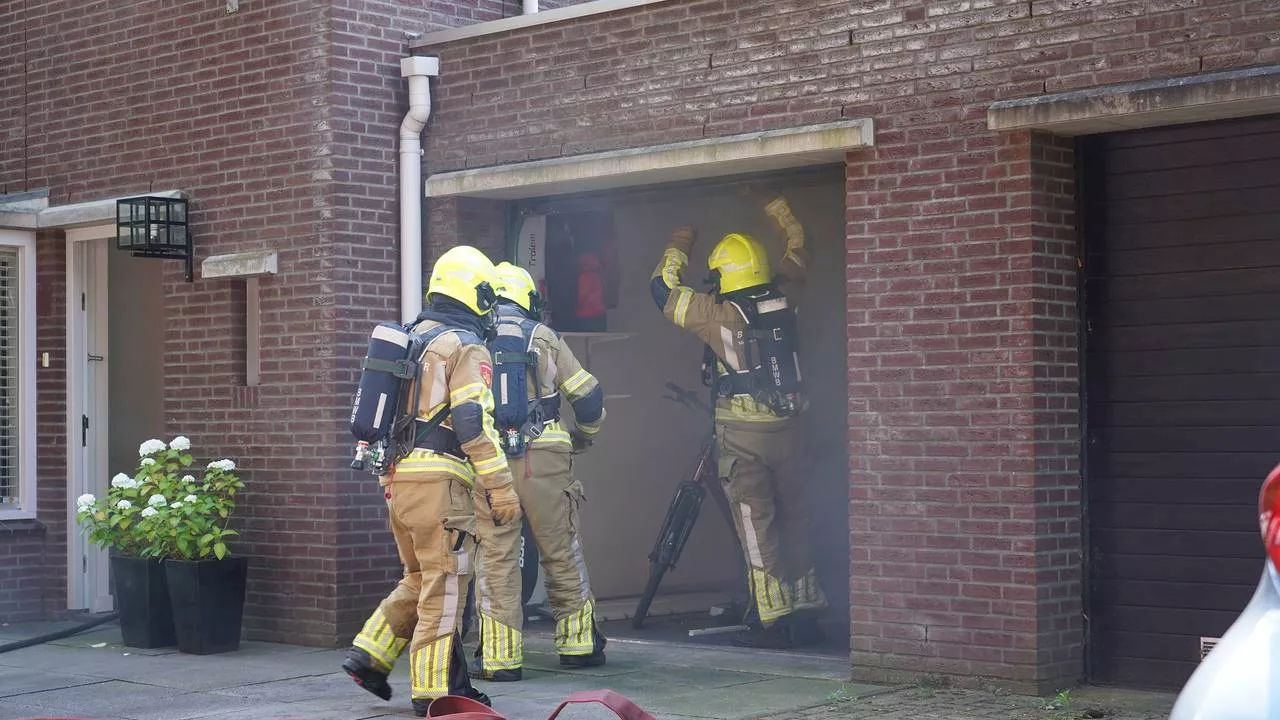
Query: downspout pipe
(530, 7)
(419, 71)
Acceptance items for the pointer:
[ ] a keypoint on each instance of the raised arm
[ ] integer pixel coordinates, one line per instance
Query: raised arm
(682, 306)
(795, 258)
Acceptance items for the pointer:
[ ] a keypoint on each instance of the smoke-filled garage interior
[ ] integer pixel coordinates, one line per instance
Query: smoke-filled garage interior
(594, 254)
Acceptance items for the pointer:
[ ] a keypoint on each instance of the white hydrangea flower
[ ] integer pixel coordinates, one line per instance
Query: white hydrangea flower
(85, 500)
(124, 482)
(176, 505)
(148, 512)
(190, 499)
(124, 505)
(157, 501)
(148, 462)
(150, 447)
(188, 478)
(180, 443)
(223, 465)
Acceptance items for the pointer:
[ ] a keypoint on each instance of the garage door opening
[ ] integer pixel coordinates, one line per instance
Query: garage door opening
(1182, 229)
(650, 444)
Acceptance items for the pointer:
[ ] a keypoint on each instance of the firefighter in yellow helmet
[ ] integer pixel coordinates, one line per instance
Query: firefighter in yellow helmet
(752, 363)
(533, 369)
(456, 451)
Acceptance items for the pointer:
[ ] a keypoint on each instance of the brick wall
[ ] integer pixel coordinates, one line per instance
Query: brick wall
(455, 13)
(235, 117)
(13, 50)
(963, 422)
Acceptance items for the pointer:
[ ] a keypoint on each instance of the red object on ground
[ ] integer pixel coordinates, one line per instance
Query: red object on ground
(460, 708)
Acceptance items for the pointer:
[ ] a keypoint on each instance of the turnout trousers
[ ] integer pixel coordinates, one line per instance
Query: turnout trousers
(765, 481)
(551, 500)
(433, 523)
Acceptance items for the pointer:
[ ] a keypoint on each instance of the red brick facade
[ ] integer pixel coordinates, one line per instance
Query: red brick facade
(963, 369)
(280, 121)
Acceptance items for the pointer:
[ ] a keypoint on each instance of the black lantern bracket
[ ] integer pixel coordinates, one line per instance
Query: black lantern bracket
(155, 227)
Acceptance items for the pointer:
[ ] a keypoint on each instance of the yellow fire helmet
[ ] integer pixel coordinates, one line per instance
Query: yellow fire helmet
(516, 284)
(740, 261)
(466, 275)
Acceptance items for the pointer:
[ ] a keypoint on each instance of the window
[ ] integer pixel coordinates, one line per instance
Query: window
(17, 375)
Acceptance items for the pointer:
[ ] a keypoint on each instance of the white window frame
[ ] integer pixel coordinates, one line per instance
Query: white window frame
(25, 242)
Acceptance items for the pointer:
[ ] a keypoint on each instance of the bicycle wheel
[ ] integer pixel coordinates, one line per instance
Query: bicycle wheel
(676, 526)
(656, 571)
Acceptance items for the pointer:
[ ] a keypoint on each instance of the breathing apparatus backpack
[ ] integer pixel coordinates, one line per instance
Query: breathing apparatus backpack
(770, 371)
(513, 360)
(384, 430)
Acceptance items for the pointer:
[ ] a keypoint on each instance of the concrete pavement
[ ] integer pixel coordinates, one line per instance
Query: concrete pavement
(92, 675)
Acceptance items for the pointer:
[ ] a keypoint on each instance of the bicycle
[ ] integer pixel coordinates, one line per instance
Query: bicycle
(683, 511)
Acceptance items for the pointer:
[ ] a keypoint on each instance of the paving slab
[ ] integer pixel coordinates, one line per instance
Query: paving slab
(266, 681)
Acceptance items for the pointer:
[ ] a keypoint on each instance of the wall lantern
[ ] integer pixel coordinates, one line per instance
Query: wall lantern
(155, 227)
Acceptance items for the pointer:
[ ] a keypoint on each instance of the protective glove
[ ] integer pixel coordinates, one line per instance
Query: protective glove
(580, 443)
(683, 237)
(504, 505)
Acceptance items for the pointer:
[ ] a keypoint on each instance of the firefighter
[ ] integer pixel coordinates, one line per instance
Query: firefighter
(429, 492)
(751, 361)
(534, 367)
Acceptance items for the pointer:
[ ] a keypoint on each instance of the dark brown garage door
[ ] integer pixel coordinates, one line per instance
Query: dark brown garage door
(1182, 228)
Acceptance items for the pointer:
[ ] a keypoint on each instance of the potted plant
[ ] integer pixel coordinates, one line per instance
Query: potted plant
(206, 583)
(174, 525)
(140, 583)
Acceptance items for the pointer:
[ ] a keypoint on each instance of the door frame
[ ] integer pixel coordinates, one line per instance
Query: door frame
(88, 567)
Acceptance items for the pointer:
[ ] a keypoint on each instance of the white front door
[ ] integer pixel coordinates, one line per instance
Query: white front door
(88, 580)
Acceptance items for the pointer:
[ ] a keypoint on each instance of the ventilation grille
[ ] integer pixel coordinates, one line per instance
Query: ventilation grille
(1206, 645)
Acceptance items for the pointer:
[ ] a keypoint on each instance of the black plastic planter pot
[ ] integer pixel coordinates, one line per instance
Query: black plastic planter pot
(142, 595)
(208, 603)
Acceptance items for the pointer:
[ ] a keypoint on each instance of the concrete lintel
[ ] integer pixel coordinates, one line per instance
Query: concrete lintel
(245, 265)
(1148, 103)
(691, 160)
(93, 212)
(519, 22)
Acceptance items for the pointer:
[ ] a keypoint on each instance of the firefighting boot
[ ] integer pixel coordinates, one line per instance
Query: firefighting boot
(366, 674)
(595, 659)
(477, 672)
(804, 628)
(459, 682)
(776, 636)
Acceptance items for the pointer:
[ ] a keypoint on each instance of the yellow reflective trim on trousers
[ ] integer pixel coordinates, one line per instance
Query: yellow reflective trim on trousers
(773, 597)
(575, 381)
(472, 391)
(429, 670)
(377, 639)
(502, 647)
(684, 297)
(808, 593)
(573, 631)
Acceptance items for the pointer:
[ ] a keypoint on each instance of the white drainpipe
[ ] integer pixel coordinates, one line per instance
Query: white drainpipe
(530, 7)
(419, 70)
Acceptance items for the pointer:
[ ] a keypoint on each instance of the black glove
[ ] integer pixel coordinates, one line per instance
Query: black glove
(580, 442)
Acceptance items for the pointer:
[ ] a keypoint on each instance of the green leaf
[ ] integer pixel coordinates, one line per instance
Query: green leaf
(206, 539)
(220, 550)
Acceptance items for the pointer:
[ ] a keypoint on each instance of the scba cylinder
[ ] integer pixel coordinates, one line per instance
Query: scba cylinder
(382, 381)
